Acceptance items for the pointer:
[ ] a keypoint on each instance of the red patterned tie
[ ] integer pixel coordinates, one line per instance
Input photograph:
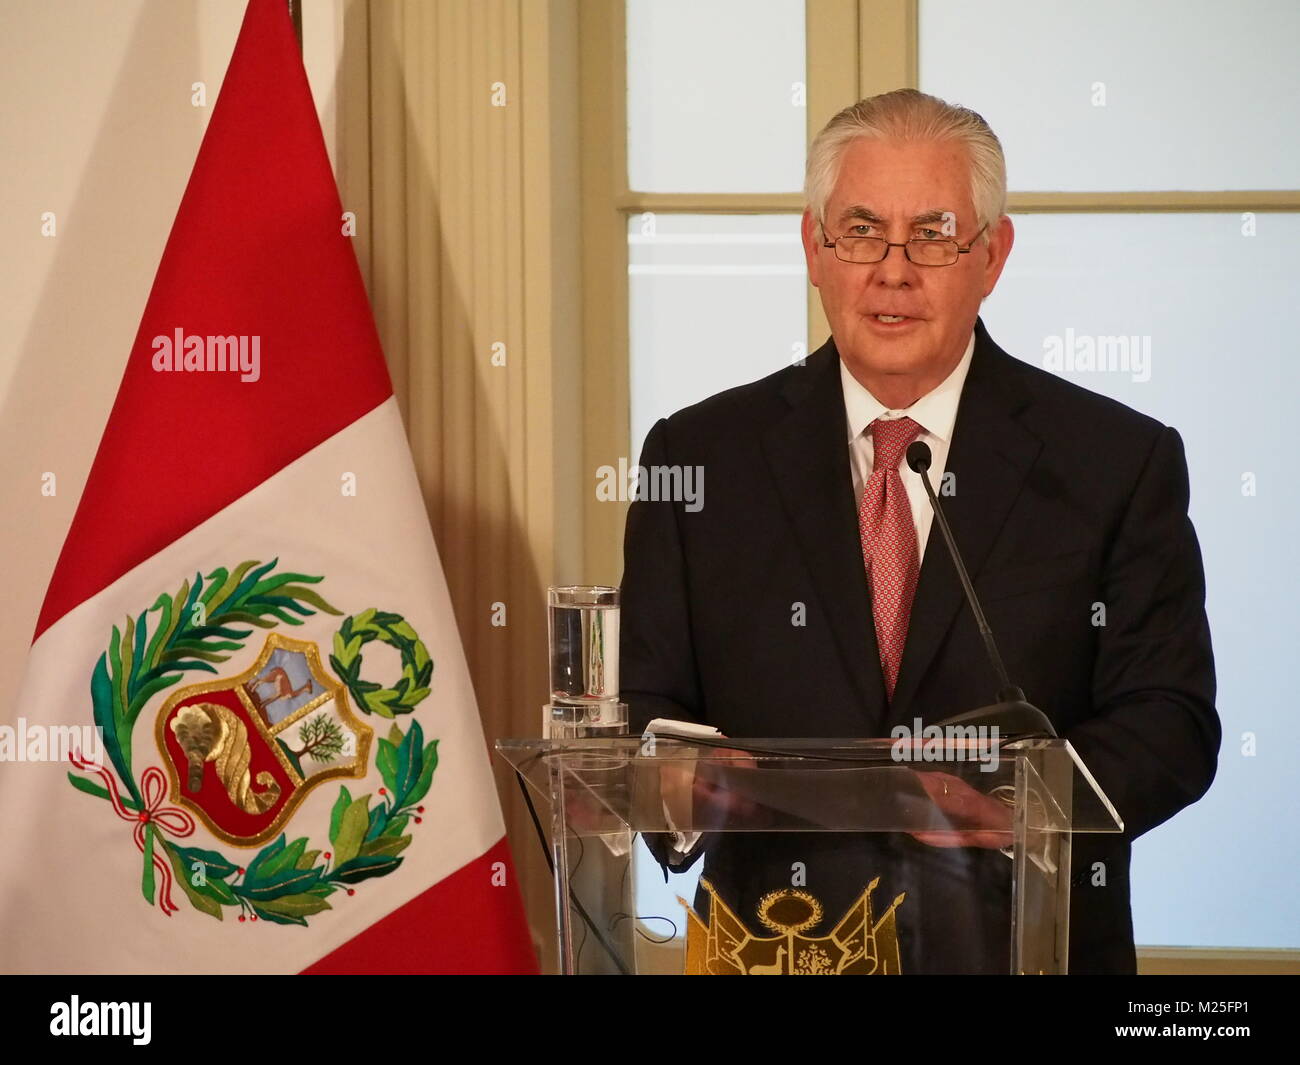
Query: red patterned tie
(889, 542)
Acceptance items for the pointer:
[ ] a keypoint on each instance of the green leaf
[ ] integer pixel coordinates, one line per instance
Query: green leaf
(150, 689)
(271, 874)
(397, 825)
(188, 610)
(199, 899)
(207, 656)
(215, 580)
(163, 605)
(378, 821)
(297, 905)
(229, 633)
(221, 891)
(303, 904)
(266, 854)
(100, 792)
(175, 613)
(229, 584)
(384, 845)
(395, 734)
(421, 658)
(176, 610)
(363, 868)
(346, 673)
(270, 584)
(101, 698)
(308, 859)
(185, 663)
(146, 881)
(116, 686)
(341, 805)
(278, 605)
(306, 595)
(218, 891)
(137, 652)
(285, 859)
(421, 786)
(377, 704)
(124, 675)
(291, 909)
(352, 829)
(245, 588)
(215, 866)
(386, 760)
(246, 617)
(277, 886)
(410, 763)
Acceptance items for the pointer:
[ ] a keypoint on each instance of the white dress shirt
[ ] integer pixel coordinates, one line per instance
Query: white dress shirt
(936, 412)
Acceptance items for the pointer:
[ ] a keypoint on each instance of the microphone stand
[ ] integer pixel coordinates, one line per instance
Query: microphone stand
(1012, 713)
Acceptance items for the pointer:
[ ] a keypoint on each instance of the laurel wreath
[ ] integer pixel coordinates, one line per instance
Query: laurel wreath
(392, 629)
(202, 624)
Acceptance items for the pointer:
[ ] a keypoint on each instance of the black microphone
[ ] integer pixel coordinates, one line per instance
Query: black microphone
(1012, 713)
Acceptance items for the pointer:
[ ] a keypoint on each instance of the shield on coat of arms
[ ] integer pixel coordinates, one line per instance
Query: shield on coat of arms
(244, 751)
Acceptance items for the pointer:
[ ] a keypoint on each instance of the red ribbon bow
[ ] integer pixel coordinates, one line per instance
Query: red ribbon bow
(169, 819)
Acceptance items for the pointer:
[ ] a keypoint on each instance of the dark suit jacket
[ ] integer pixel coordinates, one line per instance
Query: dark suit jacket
(1063, 499)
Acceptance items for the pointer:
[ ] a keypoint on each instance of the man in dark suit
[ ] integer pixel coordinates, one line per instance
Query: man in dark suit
(806, 596)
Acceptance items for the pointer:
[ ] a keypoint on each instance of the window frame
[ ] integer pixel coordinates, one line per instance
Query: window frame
(837, 40)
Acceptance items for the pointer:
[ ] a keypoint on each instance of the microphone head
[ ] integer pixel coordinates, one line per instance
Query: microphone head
(918, 456)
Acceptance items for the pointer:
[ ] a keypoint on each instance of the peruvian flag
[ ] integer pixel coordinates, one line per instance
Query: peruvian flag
(247, 738)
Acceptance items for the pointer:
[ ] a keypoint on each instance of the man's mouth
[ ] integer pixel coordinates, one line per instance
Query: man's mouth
(892, 319)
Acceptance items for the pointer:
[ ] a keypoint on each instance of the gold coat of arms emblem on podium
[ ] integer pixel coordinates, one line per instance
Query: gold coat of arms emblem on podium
(859, 945)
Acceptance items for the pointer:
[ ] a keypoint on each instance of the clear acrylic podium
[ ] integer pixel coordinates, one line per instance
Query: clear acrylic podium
(818, 857)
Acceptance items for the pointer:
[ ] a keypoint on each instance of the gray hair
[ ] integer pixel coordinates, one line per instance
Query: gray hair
(909, 115)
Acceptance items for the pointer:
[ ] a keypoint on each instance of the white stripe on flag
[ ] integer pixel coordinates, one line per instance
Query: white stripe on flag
(70, 884)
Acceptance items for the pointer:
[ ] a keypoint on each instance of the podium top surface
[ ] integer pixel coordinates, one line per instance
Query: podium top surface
(679, 784)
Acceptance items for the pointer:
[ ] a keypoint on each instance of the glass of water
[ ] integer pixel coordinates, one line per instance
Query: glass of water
(582, 626)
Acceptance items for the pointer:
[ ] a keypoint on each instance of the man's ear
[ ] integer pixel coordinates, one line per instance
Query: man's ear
(810, 230)
(1002, 234)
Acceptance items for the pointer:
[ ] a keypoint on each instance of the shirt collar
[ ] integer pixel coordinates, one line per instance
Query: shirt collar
(936, 411)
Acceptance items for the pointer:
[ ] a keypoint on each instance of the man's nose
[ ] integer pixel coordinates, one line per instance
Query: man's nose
(895, 268)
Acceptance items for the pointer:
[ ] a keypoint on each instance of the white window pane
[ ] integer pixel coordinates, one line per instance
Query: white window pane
(1113, 95)
(714, 95)
(1213, 318)
(714, 301)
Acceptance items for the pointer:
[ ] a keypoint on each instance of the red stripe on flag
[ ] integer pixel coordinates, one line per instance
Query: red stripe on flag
(257, 250)
(465, 924)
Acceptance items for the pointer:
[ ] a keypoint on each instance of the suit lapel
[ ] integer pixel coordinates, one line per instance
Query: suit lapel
(808, 453)
(991, 454)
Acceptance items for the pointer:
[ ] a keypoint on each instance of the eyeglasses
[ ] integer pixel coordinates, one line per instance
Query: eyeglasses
(920, 252)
